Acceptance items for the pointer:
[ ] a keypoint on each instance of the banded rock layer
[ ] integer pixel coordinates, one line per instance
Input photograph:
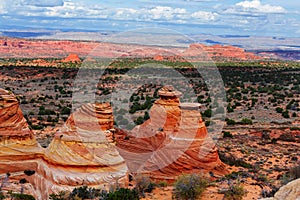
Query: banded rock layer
(82, 153)
(173, 141)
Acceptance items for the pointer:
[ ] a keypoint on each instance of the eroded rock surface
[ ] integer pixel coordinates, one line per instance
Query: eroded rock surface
(173, 141)
(82, 153)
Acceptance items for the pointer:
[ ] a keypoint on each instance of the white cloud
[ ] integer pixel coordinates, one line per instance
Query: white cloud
(257, 6)
(205, 16)
(125, 13)
(3, 9)
(43, 3)
(165, 12)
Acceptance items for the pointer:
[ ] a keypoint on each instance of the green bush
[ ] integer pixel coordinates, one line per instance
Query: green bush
(189, 186)
(22, 197)
(227, 134)
(84, 193)
(230, 122)
(279, 110)
(235, 192)
(163, 184)
(122, 193)
(246, 121)
(285, 114)
(60, 196)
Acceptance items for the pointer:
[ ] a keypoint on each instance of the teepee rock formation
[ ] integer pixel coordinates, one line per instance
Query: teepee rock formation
(173, 141)
(16, 139)
(82, 153)
(85, 144)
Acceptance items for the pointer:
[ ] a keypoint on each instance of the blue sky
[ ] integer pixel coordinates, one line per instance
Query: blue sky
(216, 17)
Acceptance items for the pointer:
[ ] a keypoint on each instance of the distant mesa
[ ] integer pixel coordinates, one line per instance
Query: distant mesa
(23, 48)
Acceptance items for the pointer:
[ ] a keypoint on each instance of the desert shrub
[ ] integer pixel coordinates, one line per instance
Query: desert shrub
(17, 196)
(60, 196)
(292, 174)
(189, 186)
(65, 111)
(207, 113)
(235, 192)
(37, 127)
(285, 114)
(235, 175)
(231, 160)
(163, 184)
(295, 172)
(288, 137)
(84, 193)
(279, 110)
(269, 193)
(143, 184)
(294, 128)
(122, 193)
(230, 122)
(246, 121)
(227, 134)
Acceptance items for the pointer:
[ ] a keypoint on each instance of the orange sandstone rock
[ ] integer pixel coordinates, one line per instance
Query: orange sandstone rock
(72, 58)
(82, 153)
(173, 141)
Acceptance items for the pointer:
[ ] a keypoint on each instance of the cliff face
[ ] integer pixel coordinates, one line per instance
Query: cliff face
(82, 153)
(173, 141)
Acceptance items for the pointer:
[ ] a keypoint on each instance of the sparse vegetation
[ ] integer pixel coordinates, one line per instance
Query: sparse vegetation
(235, 192)
(189, 186)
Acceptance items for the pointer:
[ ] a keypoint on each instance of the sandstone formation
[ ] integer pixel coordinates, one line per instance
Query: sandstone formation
(73, 58)
(219, 52)
(23, 48)
(16, 139)
(173, 141)
(86, 144)
(82, 153)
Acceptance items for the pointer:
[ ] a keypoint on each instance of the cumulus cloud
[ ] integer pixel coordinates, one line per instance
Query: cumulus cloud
(255, 6)
(165, 12)
(205, 16)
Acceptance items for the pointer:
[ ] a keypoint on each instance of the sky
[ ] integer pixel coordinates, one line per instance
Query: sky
(215, 17)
